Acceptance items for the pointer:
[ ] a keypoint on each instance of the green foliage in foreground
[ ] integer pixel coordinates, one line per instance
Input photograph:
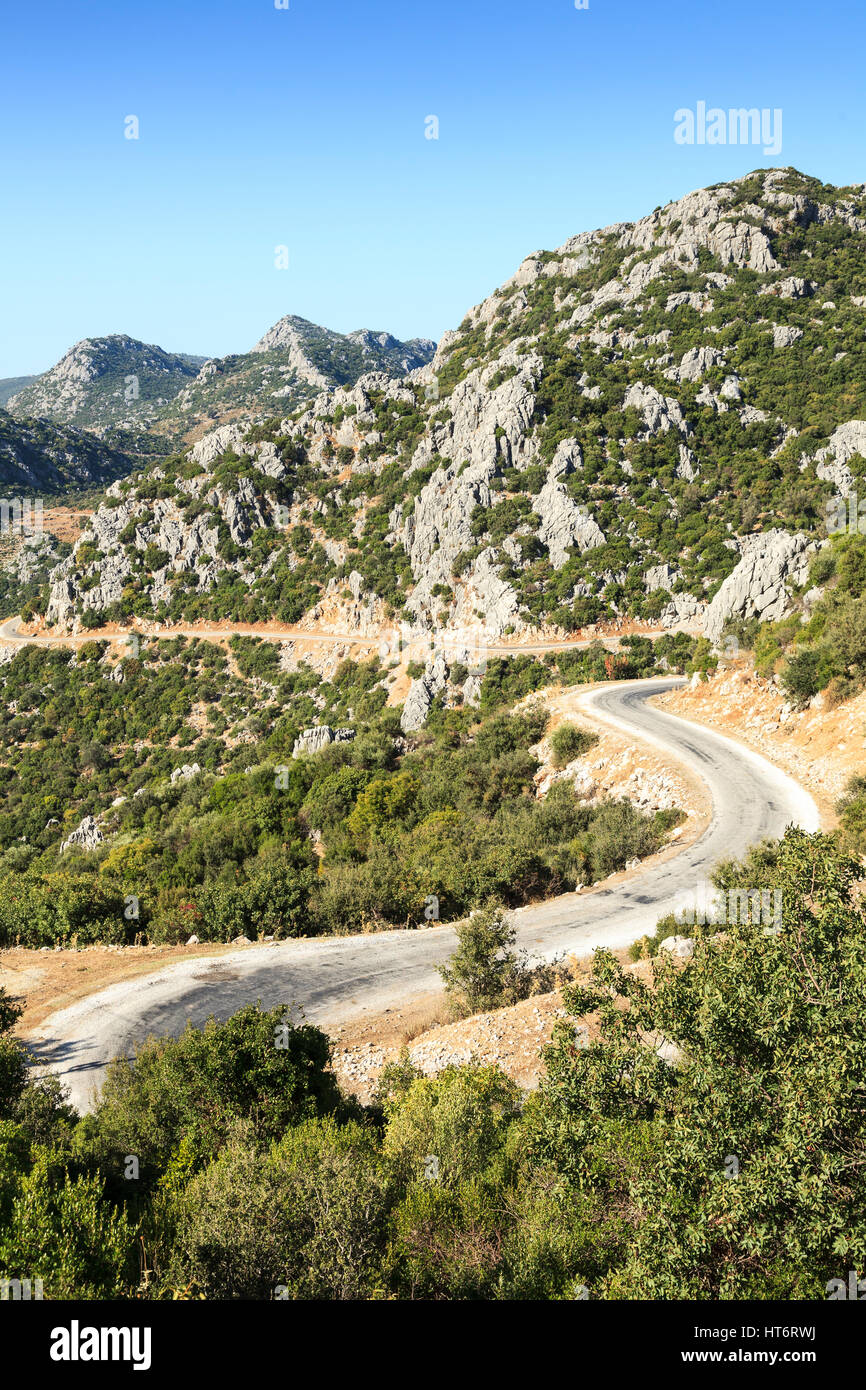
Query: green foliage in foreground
(762, 1121)
(728, 1163)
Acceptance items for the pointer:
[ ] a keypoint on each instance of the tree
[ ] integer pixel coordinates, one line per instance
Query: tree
(483, 971)
(63, 1230)
(748, 1066)
(461, 1117)
(569, 742)
(257, 1065)
(308, 1214)
(13, 1065)
(384, 803)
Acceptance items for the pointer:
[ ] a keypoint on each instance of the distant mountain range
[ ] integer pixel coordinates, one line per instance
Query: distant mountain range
(117, 385)
(104, 382)
(645, 423)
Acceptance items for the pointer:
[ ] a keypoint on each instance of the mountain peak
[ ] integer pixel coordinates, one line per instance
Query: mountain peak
(287, 332)
(107, 381)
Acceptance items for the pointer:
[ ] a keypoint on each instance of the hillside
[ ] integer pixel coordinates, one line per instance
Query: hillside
(292, 362)
(11, 385)
(646, 423)
(104, 382)
(37, 456)
(148, 400)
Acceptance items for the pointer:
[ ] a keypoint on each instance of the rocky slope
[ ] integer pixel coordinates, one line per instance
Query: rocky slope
(287, 367)
(120, 385)
(108, 382)
(646, 422)
(40, 460)
(11, 385)
(39, 457)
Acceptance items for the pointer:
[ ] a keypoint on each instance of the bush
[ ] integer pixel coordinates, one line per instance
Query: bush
(569, 742)
(788, 1006)
(851, 810)
(308, 1215)
(807, 672)
(484, 972)
(461, 1116)
(196, 1087)
(63, 1230)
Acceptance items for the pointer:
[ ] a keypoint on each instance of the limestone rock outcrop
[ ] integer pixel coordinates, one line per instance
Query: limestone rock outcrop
(759, 585)
(320, 736)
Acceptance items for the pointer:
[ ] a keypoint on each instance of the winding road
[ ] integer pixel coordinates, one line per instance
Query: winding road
(335, 979)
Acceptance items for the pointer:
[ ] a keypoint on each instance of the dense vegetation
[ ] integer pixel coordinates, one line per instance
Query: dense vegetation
(227, 1164)
(259, 843)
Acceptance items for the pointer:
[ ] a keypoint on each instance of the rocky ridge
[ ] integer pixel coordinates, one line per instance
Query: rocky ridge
(586, 446)
(119, 384)
(103, 382)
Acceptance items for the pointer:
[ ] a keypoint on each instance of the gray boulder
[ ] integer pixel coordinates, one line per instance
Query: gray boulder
(681, 946)
(87, 836)
(422, 693)
(695, 364)
(792, 287)
(319, 737)
(832, 461)
(785, 335)
(660, 413)
(563, 523)
(185, 773)
(660, 577)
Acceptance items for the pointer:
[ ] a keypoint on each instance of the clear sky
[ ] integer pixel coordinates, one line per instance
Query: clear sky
(305, 127)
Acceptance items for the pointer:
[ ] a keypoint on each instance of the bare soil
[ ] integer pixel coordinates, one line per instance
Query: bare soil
(511, 1038)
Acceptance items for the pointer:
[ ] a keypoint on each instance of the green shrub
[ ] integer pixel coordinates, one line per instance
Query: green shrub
(570, 741)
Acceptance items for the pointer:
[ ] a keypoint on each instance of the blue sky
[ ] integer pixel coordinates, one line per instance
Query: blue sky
(305, 127)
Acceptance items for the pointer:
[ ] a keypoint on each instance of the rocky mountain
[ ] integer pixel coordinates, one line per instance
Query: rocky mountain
(127, 389)
(102, 383)
(39, 462)
(11, 385)
(345, 355)
(288, 366)
(645, 423)
(39, 457)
